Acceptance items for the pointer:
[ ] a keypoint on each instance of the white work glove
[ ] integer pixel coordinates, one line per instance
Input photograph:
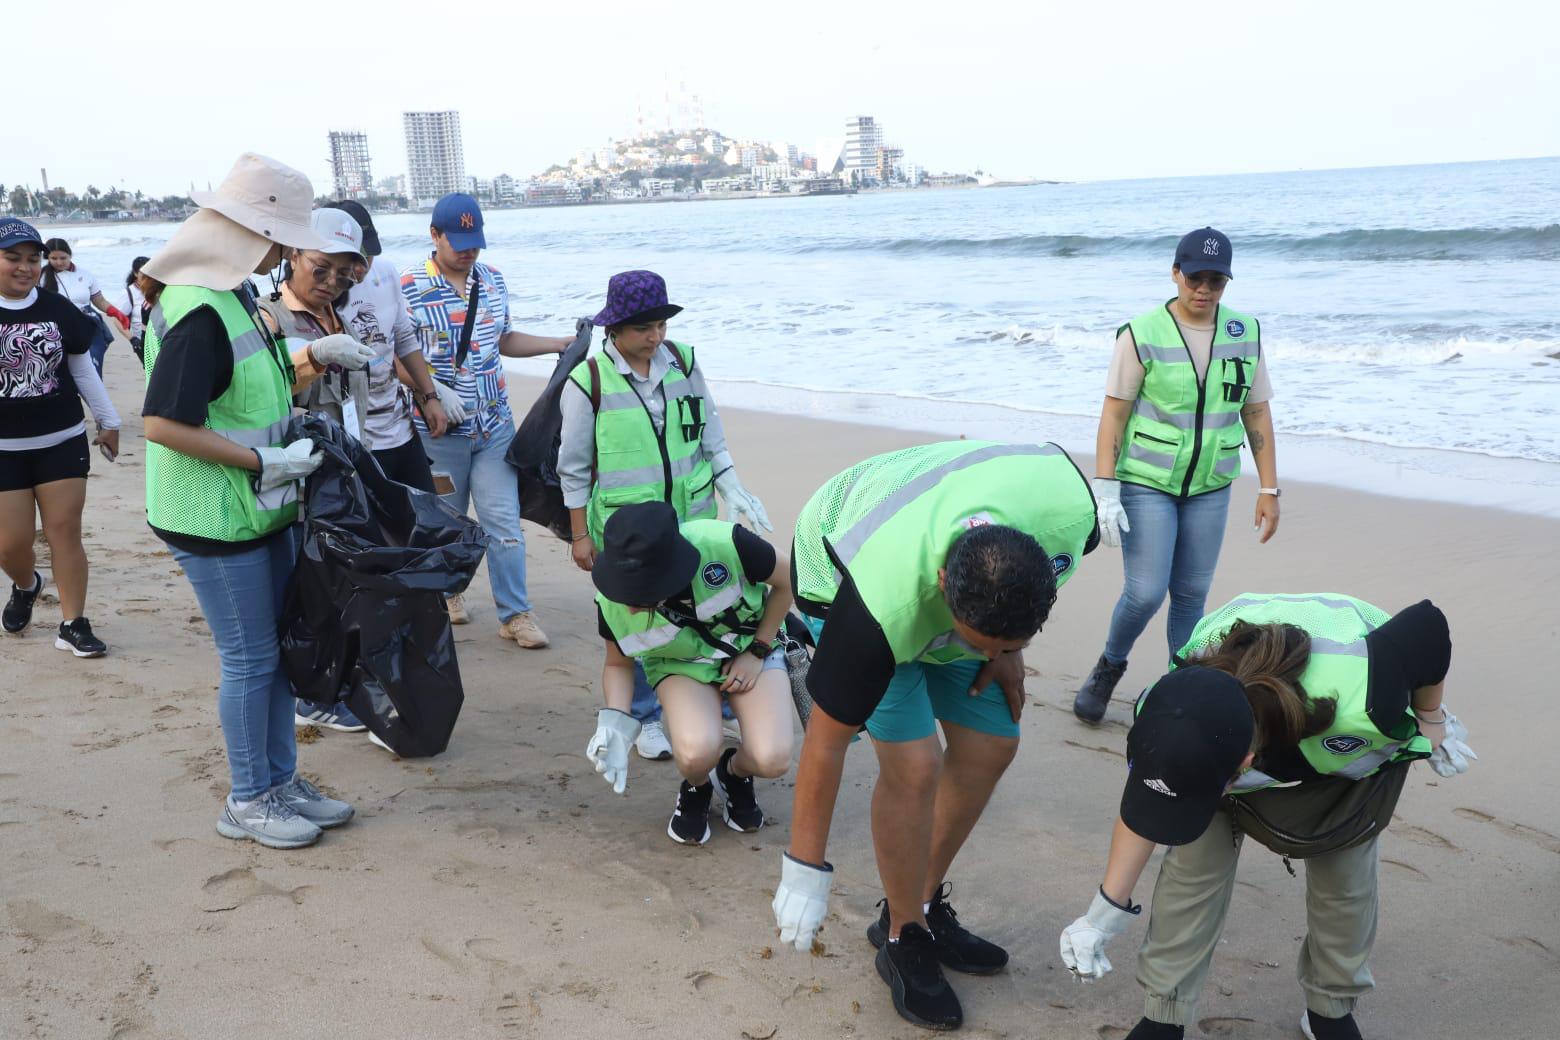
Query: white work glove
(280, 466)
(1112, 517)
(454, 410)
(1449, 742)
(1083, 941)
(615, 732)
(341, 349)
(801, 901)
(743, 504)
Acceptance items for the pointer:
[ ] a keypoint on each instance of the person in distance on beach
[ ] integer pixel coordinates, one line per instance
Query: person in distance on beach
(923, 574)
(699, 605)
(460, 310)
(82, 289)
(135, 305)
(221, 483)
(1322, 693)
(643, 427)
(1188, 386)
(45, 373)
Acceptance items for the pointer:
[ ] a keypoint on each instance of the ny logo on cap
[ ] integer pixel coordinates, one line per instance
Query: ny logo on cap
(468, 222)
(1210, 247)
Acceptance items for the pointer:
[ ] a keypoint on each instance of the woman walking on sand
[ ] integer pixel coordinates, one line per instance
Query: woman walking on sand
(45, 374)
(82, 289)
(1188, 387)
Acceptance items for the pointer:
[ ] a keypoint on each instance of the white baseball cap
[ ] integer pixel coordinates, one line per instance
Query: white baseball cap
(342, 234)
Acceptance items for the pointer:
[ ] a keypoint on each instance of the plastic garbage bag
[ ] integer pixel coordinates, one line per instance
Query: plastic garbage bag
(364, 619)
(534, 451)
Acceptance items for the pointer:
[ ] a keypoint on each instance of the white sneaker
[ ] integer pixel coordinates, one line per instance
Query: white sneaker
(268, 820)
(652, 742)
(312, 804)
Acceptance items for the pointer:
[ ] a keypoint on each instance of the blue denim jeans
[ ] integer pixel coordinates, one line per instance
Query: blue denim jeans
(480, 473)
(646, 706)
(1173, 547)
(100, 344)
(241, 597)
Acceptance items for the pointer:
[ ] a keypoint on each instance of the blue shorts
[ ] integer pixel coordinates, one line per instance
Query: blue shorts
(920, 695)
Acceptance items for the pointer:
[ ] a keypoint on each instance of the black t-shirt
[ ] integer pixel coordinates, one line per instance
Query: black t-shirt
(194, 367)
(758, 563)
(1412, 649)
(854, 663)
(37, 394)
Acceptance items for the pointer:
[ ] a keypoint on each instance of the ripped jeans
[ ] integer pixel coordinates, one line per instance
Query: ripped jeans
(480, 473)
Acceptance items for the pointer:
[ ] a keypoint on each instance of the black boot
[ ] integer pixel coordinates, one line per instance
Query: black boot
(1320, 1027)
(1150, 1030)
(1095, 693)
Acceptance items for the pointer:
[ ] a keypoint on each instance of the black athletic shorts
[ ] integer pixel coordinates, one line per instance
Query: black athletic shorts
(407, 464)
(22, 470)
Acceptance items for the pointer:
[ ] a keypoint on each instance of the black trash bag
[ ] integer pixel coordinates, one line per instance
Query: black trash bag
(364, 619)
(534, 451)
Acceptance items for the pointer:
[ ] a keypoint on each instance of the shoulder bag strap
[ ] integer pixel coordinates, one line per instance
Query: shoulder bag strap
(463, 348)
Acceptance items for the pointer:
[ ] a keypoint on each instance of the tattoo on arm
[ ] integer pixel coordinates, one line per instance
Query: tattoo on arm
(1258, 442)
(1115, 448)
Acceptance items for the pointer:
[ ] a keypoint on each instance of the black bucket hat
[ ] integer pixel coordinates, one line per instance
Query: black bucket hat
(645, 558)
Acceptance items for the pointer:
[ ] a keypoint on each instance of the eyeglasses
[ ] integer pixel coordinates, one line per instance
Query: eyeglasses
(322, 273)
(1208, 279)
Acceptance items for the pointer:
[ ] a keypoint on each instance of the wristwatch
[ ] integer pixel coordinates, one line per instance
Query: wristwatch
(760, 649)
(1275, 492)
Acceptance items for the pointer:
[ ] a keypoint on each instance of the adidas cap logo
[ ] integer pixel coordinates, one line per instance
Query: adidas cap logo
(1160, 787)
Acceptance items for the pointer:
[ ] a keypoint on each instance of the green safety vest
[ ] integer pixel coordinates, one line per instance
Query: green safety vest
(1339, 669)
(634, 463)
(726, 605)
(186, 495)
(1184, 435)
(888, 522)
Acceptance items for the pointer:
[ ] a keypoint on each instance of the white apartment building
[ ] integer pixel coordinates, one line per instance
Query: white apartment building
(435, 160)
(763, 173)
(349, 165)
(606, 157)
(863, 138)
(504, 188)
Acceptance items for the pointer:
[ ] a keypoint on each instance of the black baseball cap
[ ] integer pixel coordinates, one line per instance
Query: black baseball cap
(1192, 731)
(644, 558)
(1205, 249)
(357, 212)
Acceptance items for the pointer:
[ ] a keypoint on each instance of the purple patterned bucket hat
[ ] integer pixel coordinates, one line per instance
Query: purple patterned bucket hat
(634, 298)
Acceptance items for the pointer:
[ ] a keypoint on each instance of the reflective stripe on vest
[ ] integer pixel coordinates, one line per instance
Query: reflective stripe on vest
(1184, 433)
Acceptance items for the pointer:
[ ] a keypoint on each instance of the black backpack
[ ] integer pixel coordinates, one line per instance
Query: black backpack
(534, 451)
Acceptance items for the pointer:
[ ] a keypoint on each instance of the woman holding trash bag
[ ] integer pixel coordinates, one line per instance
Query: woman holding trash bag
(1321, 693)
(62, 276)
(221, 484)
(643, 427)
(1188, 388)
(699, 605)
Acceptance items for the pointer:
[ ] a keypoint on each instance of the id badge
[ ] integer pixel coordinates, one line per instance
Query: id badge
(349, 417)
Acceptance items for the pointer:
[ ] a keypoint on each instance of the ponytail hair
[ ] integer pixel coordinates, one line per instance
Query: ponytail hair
(1268, 661)
(51, 281)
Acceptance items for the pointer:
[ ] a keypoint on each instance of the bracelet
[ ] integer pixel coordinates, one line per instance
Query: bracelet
(1275, 492)
(308, 355)
(580, 537)
(1433, 722)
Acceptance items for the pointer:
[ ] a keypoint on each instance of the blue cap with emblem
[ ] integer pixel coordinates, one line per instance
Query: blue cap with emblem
(459, 218)
(1205, 249)
(14, 232)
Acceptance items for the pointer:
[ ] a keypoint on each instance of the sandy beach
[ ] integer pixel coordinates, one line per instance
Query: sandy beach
(501, 890)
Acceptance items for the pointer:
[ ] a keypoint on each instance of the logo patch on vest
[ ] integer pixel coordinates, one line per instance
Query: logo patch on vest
(715, 575)
(1061, 563)
(969, 523)
(1344, 744)
(1234, 328)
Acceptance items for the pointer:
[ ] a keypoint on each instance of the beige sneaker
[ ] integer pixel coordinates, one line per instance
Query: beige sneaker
(456, 605)
(523, 629)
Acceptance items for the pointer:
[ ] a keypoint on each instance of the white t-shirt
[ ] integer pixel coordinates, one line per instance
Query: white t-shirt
(377, 316)
(79, 287)
(136, 301)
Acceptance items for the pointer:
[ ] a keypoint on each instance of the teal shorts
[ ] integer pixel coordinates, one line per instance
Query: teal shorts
(920, 694)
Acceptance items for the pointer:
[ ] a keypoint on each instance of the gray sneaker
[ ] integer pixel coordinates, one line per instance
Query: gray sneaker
(312, 804)
(268, 820)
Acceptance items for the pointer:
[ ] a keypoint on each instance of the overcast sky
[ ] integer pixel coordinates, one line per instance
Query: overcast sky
(162, 94)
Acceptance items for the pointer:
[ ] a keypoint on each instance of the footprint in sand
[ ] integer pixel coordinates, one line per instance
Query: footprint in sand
(1406, 866)
(1531, 835)
(1530, 945)
(1430, 839)
(37, 922)
(1093, 747)
(234, 888)
(1231, 1027)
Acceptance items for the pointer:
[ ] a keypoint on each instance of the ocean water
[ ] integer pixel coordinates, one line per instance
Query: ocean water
(1409, 314)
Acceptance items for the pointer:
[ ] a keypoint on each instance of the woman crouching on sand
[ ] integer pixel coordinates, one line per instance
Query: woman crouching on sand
(699, 605)
(222, 483)
(1322, 693)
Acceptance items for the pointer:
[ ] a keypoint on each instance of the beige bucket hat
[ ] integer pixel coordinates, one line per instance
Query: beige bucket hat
(260, 203)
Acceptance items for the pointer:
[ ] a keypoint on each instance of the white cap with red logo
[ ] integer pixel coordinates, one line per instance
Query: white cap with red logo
(341, 233)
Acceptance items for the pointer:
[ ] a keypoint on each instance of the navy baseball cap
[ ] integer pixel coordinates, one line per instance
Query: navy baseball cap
(14, 232)
(355, 210)
(459, 218)
(1205, 250)
(1192, 731)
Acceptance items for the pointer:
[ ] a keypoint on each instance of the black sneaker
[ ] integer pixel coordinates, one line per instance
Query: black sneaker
(690, 822)
(18, 612)
(1320, 1027)
(742, 811)
(957, 948)
(1146, 1029)
(76, 636)
(921, 994)
(1095, 693)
